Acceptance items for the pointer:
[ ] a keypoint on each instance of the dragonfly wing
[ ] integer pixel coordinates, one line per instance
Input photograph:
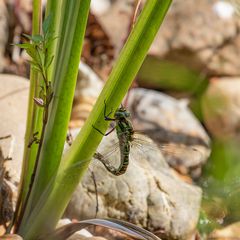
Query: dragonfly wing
(143, 147)
(143, 143)
(177, 154)
(181, 152)
(108, 155)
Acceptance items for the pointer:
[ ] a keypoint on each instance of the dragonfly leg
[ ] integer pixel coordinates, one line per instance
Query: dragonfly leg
(106, 116)
(104, 134)
(69, 139)
(110, 131)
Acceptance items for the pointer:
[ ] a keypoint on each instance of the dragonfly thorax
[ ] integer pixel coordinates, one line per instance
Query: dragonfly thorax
(122, 113)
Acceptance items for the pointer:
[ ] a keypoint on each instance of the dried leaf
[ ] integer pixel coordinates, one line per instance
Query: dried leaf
(66, 231)
(39, 102)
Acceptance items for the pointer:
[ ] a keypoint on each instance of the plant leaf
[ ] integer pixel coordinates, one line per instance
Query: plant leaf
(48, 62)
(32, 53)
(35, 66)
(24, 45)
(27, 36)
(37, 38)
(46, 24)
(49, 40)
(132, 230)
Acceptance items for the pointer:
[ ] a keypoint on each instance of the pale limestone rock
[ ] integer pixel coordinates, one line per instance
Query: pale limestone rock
(221, 108)
(148, 194)
(3, 32)
(13, 105)
(171, 124)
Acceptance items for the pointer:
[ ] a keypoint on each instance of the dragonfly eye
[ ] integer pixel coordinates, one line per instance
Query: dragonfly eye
(127, 114)
(122, 113)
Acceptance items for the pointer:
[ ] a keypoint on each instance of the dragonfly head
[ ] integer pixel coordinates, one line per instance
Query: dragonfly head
(122, 113)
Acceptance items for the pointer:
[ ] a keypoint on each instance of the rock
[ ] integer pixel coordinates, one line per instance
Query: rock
(98, 50)
(23, 12)
(6, 205)
(221, 108)
(148, 194)
(3, 32)
(100, 7)
(117, 30)
(11, 237)
(224, 10)
(89, 86)
(210, 42)
(169, 122)
(80, 237)
(209, 45)
(13, 105)
(230, 232)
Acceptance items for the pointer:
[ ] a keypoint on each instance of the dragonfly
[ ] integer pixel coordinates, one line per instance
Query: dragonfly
(127, 139)
(125, 132)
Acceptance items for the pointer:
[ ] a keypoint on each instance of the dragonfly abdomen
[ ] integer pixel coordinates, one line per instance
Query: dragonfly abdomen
(125, 150)
(124, 161)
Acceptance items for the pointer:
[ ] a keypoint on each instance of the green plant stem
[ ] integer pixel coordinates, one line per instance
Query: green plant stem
(44, 123)
(76, 160)
(71, 35)
(33, 119)
(54, 8)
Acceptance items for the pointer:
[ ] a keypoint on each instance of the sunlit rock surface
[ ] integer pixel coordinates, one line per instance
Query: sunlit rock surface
(4, 18)
(221, 108)
(171, 124)
(148, 194)
(13, 105)
(229, 232)
(203, 36)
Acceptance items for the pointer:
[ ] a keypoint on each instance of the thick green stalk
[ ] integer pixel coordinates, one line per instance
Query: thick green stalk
(72, 29)
(53, 8)
(34, 116)
(47, 213)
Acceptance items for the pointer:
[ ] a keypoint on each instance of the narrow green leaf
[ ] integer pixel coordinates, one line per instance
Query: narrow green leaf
(33, 54)
(46, 24)
(49, 98)
(24, 45)
(42, 57)
(42, 94)
(29, 37)
(37, 38)
(54, 8)
(35, 65)
(48, 62)
(36, 68)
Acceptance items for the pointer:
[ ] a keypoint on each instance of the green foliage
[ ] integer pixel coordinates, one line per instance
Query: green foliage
(205, 225)
(37, 49)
